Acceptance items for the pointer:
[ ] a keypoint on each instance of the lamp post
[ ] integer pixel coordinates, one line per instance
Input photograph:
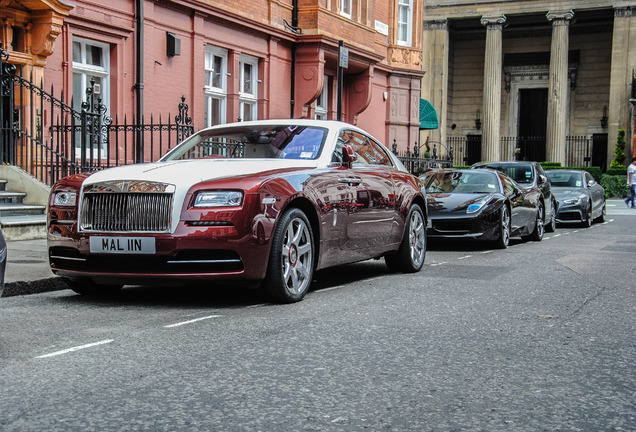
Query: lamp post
(632, 100)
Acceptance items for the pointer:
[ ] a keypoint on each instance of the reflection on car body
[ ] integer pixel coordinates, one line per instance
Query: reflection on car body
(264, 202)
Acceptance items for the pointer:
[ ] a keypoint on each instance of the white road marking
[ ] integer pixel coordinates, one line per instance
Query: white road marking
(66, 351)
(191, 321)
(464, 257)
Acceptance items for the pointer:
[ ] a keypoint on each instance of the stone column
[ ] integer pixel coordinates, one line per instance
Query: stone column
(435, 81)
(558, 89)
(623, 55)
(492, 88)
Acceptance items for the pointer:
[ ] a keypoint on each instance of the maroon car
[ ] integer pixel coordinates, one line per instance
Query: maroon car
(266, 202)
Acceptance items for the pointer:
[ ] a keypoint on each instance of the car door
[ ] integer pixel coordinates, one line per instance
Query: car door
(521, 213)
(596, 192)
(372, 214)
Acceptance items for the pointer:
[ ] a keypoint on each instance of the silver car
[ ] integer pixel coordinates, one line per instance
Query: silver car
(580, 199)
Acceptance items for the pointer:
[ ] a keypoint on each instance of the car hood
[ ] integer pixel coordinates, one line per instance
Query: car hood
(446, 204)
(187, 173)
(562, 194)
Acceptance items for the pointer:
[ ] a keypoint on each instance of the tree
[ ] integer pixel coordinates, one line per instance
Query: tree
(619, 151)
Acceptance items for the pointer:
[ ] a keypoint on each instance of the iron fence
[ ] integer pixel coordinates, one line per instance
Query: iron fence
(45, 136)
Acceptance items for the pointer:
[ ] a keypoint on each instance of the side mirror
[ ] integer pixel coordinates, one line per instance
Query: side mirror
(542, 179)
(348, 156)
(591, 183)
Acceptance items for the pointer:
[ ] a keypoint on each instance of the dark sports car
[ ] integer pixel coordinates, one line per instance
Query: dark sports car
(580, 199)
(482, 204)
(266, 202)
(529, 175)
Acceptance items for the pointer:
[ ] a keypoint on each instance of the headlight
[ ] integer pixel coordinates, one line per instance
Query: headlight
(65, 199)
(572, 201)
(475, 207)
(219, 199)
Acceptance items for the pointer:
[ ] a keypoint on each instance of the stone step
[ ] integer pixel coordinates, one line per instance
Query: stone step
(23, 227)
(11, 197)
(9, 209)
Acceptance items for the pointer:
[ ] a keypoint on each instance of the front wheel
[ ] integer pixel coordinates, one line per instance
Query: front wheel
(504, 229)
(291, 259)
(409, 257)
(551, 225)
(587, 219)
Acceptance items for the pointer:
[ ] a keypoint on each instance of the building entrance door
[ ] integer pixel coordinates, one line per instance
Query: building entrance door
(533, 116)
(599, 151)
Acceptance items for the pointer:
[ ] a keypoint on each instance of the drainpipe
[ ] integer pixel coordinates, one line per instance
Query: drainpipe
(294, 28)
(139, 85)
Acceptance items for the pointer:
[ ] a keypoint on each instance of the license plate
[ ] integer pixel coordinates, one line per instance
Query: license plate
(123, 245)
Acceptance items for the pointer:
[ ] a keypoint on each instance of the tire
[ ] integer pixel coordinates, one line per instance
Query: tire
(603, 215)
(539, 228)
(504, 228)
(551, 226)
(587, 220)
(89, 288)
(291, 258)
(410, 256)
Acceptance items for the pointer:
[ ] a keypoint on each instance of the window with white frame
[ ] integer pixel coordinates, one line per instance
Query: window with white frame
(215, 85)
(322, 102)
(405, 22)
(91, 63)
(248, 91)
(346, 6)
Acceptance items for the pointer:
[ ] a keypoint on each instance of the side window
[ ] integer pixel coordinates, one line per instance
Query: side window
(368, 151)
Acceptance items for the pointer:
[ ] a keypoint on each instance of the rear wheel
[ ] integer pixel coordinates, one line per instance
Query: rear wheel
(539, 227)
(409, 257)
(90, 288)
(603, 215)
(504, 229)
(291, 259)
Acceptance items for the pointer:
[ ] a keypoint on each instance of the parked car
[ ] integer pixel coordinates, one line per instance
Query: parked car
(266, 202)
(3, 260)
(482, 204)
(529, 175)
(579, 197)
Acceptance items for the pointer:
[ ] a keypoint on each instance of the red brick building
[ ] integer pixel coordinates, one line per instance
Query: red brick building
(232, 60)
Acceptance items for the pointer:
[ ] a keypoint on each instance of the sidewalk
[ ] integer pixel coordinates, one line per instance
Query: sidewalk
(28, 269)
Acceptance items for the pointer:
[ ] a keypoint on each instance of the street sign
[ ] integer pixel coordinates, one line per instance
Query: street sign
(344, 57)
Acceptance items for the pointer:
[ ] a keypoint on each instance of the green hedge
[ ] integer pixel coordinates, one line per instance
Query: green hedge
(615, 185)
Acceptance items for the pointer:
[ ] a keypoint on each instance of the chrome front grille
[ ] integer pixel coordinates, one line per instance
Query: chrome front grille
(109, 209)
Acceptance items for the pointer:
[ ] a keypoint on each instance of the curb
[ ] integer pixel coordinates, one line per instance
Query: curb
(33, 287)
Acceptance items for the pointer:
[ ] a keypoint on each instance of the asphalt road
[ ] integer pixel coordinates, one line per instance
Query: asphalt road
(537, 337)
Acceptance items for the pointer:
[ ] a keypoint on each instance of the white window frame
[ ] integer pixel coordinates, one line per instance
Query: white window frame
(85, 71)
(346, 5)
(322, 101)
(212, 92)
(406, 26)
(249, 99)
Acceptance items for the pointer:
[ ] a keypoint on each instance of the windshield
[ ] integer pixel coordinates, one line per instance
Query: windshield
(521, 173)
(565, 179)
(461, 182)
(268, 142)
